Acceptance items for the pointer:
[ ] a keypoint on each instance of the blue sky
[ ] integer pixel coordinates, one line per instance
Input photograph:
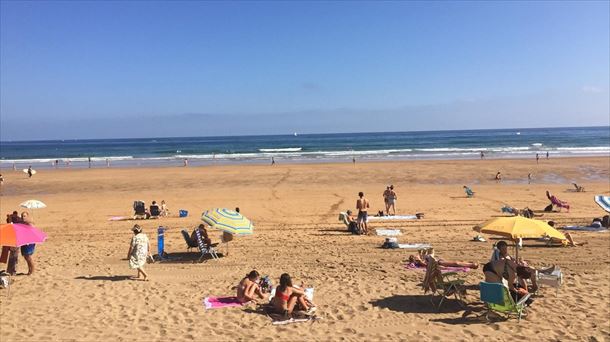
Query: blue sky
(139, 69)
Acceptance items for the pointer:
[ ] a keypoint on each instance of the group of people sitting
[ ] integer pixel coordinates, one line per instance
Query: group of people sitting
(286, 299)
(154, 211)
(501, 268)
(10, 255)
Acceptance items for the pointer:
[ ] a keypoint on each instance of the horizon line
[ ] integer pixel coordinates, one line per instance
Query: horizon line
(310, 134)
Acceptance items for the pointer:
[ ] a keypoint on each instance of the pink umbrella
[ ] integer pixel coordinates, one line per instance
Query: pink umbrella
(17, 235)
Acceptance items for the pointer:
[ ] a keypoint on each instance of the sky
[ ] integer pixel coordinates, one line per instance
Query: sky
(87, 69)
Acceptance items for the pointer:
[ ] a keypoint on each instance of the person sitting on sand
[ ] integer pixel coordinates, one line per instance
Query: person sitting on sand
(498, 177)
(569, 241)
(503, 270)
(138, 252)
(352, 225)
(248, 287)
(164, 209)
(288, 297)
(419, 261)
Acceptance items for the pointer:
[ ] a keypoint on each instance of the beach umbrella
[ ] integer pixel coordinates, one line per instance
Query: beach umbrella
(33, 204)
(604, 202)
(519, 227)
(17, 235)
(229, 221)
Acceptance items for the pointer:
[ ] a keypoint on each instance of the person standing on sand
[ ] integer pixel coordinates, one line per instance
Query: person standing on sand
(537, 158)
(498, 177)
(354, 160)
(28, 250)
(392, 200)
(272, 161)
(186, 162)
(529, 178)
(482, 155)
(547, 154)
(89, 159)
(362, 204)
(30, 171)
(138, 252)
(386, 195)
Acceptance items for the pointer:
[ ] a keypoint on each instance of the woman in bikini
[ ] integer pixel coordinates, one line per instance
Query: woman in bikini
(248, 288)
(287, 297)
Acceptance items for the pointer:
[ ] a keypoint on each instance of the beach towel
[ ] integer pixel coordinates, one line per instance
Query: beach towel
(414, 246)
(411, 266)
(585, 228)
(221, 302)
(388, 232)
(390, 218)
(119, 218)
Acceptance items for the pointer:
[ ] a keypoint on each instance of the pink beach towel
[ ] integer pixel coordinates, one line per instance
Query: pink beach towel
(411, 266)
(221, 302)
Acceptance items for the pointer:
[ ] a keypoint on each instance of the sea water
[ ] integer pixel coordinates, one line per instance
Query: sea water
(303, 148)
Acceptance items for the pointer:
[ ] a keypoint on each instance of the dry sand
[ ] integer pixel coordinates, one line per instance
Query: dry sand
(80, 289)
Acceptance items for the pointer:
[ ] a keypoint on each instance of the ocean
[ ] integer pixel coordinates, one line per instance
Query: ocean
(304, 148)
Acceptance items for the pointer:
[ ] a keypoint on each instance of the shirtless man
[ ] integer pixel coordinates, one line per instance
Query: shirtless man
(362, 204)
(392, 200)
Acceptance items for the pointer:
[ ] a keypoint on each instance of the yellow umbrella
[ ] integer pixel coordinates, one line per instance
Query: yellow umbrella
(516, 227)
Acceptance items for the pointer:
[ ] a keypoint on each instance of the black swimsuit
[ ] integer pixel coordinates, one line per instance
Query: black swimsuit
(488, 267)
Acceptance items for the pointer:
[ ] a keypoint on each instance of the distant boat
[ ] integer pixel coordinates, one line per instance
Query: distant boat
(518, 133)
(295, 134)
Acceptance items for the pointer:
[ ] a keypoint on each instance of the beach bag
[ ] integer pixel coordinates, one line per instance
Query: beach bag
(549, 208)
(183, 213)
(390, 243)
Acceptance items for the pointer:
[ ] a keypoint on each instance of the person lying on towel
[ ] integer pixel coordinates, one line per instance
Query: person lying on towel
(419, 261)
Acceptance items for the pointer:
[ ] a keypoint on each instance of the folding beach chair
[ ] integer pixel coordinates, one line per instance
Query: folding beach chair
(497, 298)
(578, 187)
(204, 248)
(560, 204)
(553, 279)
(139, 209)
(190, 244)
(443, 284)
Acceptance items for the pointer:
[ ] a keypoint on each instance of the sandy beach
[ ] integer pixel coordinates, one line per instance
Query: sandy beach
(81, 289)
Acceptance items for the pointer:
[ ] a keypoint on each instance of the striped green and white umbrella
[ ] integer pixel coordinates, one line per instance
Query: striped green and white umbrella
(228, 221)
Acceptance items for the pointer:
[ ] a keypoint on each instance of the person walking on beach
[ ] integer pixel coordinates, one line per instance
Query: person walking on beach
(186, 162)
(362, 204)
(138, 252)
(107, 162)
(537, 158)
(272, 161)
(89, 159)
(529, 178)
(547, 154)
(354, 160)
(482, 155)
(30, 173)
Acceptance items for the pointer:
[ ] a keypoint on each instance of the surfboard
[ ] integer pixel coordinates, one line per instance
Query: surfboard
(26, 171)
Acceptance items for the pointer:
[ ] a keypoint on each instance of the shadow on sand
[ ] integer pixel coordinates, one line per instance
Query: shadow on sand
(110, 278)
(185, 258)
